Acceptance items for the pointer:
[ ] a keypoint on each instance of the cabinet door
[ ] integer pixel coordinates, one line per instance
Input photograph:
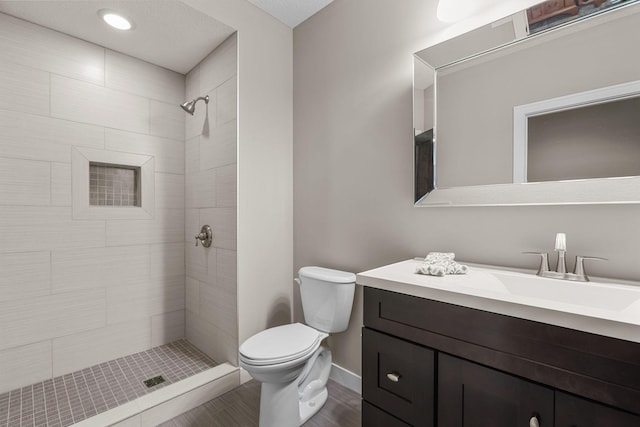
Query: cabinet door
(471, 395)
(572, 411)
(398, 377)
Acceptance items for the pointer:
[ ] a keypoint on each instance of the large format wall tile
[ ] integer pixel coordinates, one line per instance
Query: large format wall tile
(227, 101)
(24, 365)
(224, 224)
(168, 153)
(166, 260)
(60, 184)
(28, 136)
(220, 66)
(26, 228)
(166, 227)
(79, 351)
(24, 275)
(200, 189)
(220, 148)
(25, 182)
(167, 120)
(89, 103)
(226, 184)
(142, 301)
(24, 43)
(23, 89)
(169, 191)
(221, 346)
(133, 75)
(37, 319)
(99, 267)
(167, 327)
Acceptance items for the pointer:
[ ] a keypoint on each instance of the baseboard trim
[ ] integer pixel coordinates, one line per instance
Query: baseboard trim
(346, 378)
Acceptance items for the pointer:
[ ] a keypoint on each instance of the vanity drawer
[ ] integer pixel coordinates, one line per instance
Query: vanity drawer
(398, 376)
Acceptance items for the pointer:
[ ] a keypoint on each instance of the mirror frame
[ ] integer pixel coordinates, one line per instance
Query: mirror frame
(616, 190)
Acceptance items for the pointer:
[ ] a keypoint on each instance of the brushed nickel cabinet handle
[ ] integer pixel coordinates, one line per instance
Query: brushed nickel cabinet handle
(392, 376)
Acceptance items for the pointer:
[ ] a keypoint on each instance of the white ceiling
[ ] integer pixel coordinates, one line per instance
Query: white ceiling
(167, 32)
(291, 12)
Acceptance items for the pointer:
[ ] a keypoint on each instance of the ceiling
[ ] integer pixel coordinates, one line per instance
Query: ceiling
(291, 12)
(163, 28)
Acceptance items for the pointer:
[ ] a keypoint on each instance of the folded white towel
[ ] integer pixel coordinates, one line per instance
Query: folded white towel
(441, 263)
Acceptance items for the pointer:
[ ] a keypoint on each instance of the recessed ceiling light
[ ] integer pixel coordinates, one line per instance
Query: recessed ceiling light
(115, 20)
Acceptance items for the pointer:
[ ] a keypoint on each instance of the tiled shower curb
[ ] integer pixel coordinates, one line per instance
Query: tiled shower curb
(170, 401)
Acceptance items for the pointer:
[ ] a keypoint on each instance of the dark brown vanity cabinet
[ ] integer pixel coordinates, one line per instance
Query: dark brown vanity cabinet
(427, 363)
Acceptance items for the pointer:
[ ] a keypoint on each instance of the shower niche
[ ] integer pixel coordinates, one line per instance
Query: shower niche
(112, 185)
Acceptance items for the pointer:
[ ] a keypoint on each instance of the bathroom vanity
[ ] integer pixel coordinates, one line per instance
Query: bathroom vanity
(498, 348)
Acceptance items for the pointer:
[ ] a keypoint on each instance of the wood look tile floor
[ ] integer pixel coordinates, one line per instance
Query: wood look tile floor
(240, 407)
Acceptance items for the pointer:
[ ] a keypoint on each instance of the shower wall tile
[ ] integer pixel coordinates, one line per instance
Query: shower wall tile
(27, 228)
(168, 153)
(33, 137)
(192, 155)
(220, 66)
(141, 301)
(166, 227)
(88, 103)
(192, 288)
(196, 261)
(220, 345)
(224, 223)
(200, 189)
(166, 260)
(169, 191)
(227, 104)
(192, 225)
(192, 83)
(34, 46)
(23, 89)
(226, 184)
(25, 182)
(25, 365)
(128, 74)
(167, 327)
(167, 120)
(60, 184)
(99, 267)
(37, 319)
(24, 275)
(220, 149)
(227, 270)
(218, 307)
(79, 351)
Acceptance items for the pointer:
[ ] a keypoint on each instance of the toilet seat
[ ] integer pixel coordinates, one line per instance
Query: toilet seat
(281, 345)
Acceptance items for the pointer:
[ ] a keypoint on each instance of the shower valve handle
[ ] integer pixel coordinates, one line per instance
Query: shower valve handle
(205, 236)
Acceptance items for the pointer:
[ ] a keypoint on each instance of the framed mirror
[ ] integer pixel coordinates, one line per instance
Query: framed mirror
(537, 108)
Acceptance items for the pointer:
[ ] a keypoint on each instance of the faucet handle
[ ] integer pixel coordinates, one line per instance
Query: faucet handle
(544, 261)
(579, 268)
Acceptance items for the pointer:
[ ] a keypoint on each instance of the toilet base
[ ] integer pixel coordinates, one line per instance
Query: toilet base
(292, 403)
(310, 407)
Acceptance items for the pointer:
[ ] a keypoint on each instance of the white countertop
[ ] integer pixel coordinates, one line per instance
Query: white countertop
(608, 309)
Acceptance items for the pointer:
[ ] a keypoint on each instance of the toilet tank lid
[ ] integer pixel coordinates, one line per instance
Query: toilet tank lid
(327, 274)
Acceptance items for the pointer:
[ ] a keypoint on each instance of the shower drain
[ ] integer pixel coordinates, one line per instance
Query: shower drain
(153, 381)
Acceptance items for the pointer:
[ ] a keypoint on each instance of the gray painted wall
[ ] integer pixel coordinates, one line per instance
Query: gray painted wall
(352, 168)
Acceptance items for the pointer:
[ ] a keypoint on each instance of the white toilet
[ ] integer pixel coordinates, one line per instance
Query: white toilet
(289, 361)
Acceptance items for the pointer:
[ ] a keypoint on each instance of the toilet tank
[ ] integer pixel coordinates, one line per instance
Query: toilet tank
(327, 297)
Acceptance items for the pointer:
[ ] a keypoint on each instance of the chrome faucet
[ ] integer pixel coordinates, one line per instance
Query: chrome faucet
(578, 274)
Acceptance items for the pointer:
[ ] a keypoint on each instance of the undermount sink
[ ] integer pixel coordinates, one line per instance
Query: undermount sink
(589, 294)
(611, 309)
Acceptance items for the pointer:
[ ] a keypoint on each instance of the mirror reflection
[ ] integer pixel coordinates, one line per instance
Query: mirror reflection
(475, 131)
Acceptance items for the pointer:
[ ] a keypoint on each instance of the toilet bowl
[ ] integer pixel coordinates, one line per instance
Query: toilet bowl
(289, 360)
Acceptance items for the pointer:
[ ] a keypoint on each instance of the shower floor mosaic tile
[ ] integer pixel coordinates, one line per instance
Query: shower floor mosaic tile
(68, 399)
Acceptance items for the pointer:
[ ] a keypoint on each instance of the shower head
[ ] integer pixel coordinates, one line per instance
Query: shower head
(190, 106)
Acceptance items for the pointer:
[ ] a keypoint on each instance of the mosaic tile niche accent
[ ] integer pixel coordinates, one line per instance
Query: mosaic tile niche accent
(114, 185)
